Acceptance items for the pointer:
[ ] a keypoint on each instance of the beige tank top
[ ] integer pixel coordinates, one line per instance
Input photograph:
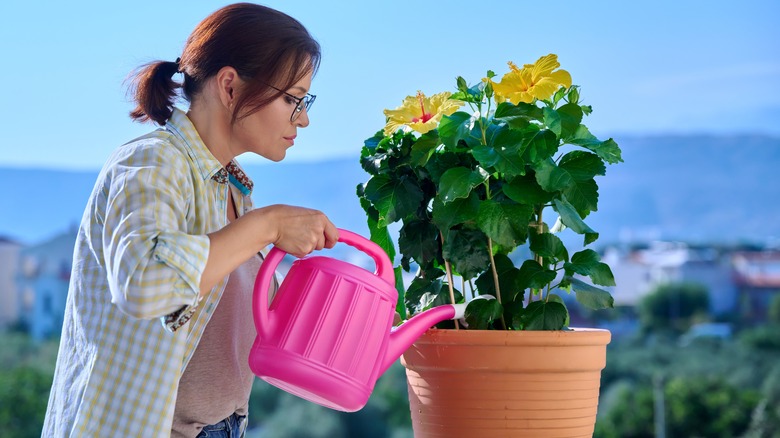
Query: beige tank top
(217, 380)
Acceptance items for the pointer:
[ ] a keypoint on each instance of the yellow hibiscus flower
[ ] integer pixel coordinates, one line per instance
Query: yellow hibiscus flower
(420, 113)
(533, 81)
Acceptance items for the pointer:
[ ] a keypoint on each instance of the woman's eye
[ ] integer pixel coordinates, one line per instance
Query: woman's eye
(290, 100)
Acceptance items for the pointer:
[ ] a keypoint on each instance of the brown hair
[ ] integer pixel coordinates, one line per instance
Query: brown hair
(265, 46)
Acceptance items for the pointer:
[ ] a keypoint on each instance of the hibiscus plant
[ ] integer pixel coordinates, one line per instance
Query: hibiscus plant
(481, 195)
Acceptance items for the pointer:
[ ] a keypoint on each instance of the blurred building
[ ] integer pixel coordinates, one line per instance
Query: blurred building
(639, 271)
(42, 284)
(9, 296)
(757, 278)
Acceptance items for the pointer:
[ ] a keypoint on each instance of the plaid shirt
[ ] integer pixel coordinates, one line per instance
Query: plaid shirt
(138, 259)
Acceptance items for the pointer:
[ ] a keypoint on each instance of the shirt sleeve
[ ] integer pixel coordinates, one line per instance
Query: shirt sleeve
(154, 264)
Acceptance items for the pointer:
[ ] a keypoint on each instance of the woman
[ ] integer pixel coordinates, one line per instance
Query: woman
(169, 235)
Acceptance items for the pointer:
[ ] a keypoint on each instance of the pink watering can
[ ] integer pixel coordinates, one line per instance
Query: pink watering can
(327, 336)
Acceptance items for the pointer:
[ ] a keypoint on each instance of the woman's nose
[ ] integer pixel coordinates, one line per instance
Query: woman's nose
(303, 119)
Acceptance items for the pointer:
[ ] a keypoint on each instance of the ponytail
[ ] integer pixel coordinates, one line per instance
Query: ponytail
(154, 91)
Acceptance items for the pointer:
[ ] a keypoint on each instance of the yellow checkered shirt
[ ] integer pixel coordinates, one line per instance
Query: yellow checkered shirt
(138, 259)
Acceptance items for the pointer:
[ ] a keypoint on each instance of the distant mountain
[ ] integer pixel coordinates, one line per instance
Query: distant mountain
(720, 189)
(692, 188)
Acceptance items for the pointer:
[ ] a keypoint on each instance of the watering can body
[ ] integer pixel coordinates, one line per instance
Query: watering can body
(327, 335)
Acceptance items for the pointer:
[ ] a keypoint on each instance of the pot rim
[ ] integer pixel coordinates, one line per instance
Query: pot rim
(573, 336)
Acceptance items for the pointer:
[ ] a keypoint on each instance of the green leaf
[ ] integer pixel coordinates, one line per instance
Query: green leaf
(534, 276)
(378, 234)
(513, 311)
(573, 177)
(458, 182)
(373, 164)
(608, 150)
(557, 299)
(592, 297)
(399, 286)
(518, 116)
(583, 195)
(424, 294)
(502, 151)
(526, 190)
(582, 166)
(394, 199)
(572, 219)
(453, 128)
(559, 95)
(420, 241)
(459, 211)
(549, 245)
(371, 143)
(508, 280)
(570, 116)
(551, 177)
(587, 262)
(505, 223)
(423, 148)
(467, 250)
(543, 145)
(480, 313)
(442, 161)
(541, 315)
(552, 120)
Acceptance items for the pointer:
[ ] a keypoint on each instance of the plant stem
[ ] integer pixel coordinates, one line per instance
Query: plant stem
(452, 292)
(449, 281)
(495, 278)
(539, 259)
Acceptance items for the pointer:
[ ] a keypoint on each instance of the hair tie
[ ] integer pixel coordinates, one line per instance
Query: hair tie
(178, 68)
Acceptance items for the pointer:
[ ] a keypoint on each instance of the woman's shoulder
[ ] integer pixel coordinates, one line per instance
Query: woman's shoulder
(157, 148)
(155, 156)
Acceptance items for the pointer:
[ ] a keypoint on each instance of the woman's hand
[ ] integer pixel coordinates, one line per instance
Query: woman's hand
(295, 230)
(299, 230)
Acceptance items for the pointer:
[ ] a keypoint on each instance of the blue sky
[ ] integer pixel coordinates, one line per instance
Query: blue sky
(646, 67)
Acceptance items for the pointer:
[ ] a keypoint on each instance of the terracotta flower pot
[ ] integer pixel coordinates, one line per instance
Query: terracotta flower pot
(484, 383)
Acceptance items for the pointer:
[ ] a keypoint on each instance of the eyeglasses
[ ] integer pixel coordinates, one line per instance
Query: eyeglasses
(300, 103)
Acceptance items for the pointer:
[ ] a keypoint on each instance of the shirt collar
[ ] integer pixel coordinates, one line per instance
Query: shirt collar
(207, 165)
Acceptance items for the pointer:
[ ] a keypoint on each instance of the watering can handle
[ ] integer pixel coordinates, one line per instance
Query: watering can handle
(384, 270)
(384, 267)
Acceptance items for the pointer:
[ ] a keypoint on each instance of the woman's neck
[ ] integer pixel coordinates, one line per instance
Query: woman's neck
(212, 121)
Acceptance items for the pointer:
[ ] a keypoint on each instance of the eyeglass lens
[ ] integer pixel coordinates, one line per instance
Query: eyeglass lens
(304, 102)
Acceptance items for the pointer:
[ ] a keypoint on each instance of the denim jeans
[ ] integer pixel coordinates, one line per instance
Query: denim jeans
(233, 426)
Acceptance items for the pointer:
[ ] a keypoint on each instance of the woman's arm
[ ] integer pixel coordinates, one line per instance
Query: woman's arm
(295, 230)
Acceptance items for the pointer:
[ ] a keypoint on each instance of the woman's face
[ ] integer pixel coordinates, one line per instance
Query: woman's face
(269, 131)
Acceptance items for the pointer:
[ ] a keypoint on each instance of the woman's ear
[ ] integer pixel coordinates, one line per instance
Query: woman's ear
(228, 82)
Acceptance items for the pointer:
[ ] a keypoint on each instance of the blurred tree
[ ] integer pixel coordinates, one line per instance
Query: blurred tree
(26, 373)
(765, 420)
(765, 337)
(391, 397)
(698, 407)
(673, 307)
(385, 415)
(626, 413)
(23, 397)
(774, 310)
(297, 418)
(708, 407)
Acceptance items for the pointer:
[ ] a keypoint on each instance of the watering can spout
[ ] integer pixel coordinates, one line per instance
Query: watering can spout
(403, 336)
